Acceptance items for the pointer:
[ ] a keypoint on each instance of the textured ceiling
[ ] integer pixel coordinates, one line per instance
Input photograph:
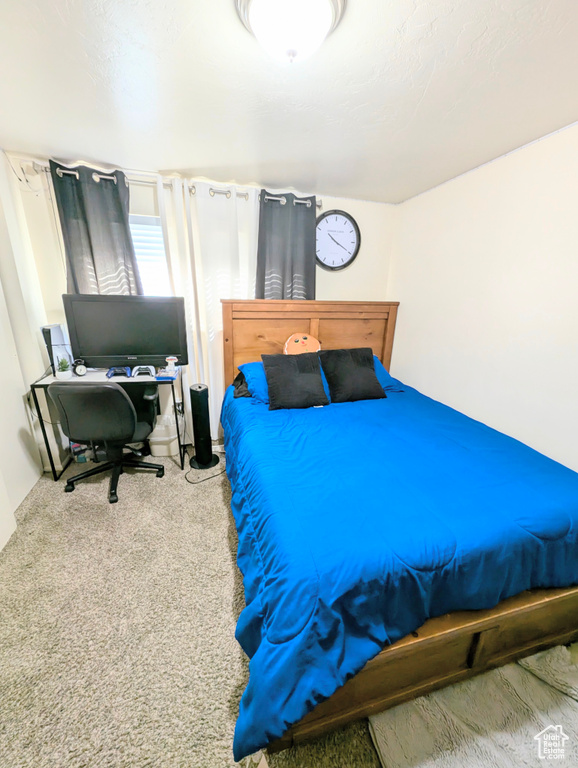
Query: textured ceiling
(405, 94)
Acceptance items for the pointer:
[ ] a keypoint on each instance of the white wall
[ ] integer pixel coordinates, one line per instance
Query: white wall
(19, 460)
(366, 278)
(45, 239)
(20, 278)
(7, 520)
(486, 270)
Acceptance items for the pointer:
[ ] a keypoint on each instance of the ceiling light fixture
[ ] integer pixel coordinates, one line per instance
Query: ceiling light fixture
(290, 30)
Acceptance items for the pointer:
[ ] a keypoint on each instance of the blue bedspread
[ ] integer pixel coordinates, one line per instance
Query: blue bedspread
(359, 521)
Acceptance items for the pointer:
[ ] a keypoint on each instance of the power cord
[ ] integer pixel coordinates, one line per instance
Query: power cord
(216, 449)
(29, 397)
(204, 480)
(44, 374)
(36, 416)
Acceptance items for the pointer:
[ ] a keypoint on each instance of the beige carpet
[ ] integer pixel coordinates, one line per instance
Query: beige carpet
(117, 623)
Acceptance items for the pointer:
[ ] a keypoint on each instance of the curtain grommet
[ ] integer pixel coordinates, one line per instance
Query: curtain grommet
(98, 176)
(225, 192)
(61, 172)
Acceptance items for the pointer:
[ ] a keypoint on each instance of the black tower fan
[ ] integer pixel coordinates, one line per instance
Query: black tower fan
(204, 457)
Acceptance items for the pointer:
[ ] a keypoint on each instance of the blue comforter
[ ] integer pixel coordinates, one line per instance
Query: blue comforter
(359, 521)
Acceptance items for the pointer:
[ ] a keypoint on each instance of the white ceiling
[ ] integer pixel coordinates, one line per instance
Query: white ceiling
(404, 95)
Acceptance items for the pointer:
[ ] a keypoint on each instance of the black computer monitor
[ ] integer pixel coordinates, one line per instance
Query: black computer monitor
(108, 331)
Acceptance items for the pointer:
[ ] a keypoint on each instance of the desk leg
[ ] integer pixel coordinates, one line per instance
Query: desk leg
(44, 435)
(182, 448)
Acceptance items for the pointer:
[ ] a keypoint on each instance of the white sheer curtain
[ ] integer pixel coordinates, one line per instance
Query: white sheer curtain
(211, 231)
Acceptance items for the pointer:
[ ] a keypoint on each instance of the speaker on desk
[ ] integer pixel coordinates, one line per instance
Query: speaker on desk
(56, 344)
(204, 457)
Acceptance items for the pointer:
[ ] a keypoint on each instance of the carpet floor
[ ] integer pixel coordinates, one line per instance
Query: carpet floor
(117, 623)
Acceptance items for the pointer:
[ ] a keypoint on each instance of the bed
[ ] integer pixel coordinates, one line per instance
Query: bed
(388, 547)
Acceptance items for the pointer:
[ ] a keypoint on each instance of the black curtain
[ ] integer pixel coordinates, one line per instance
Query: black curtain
(286, 250)
(93, 210)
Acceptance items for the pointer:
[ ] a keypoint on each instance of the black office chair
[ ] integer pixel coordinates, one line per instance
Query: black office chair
(104, 417)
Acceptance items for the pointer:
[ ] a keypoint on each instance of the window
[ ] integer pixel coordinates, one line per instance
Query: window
(149, 246)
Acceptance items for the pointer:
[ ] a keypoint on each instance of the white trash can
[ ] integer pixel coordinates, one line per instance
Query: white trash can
(163, 439)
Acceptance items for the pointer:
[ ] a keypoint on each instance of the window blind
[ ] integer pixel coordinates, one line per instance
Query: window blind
(149, 246)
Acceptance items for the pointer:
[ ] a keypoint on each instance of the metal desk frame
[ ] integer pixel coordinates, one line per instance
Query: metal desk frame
(100, 377)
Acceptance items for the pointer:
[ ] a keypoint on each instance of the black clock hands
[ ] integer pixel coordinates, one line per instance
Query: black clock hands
(337, 242)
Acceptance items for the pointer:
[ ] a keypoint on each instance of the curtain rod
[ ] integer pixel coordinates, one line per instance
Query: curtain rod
(96, 176)
(283, 200)
(227, 192)
(41, 165)
(215, 191)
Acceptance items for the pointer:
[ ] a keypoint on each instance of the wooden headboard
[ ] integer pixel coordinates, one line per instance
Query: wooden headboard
(257, 327)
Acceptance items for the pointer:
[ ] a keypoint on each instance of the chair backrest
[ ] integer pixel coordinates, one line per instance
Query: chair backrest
(94, 413)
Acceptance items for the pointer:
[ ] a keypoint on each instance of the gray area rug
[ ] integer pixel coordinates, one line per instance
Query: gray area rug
(117, 626)
(519, 716)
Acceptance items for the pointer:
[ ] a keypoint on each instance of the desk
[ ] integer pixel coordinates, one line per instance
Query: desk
(100, 377)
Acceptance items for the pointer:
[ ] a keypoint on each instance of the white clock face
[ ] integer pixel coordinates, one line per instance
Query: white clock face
(338, 240)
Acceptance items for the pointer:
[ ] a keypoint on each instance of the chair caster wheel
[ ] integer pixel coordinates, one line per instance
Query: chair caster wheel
(113, 498)
(68, 488)
(161, 472)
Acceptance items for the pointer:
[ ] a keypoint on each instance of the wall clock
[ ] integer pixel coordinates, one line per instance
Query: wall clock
(338, 240)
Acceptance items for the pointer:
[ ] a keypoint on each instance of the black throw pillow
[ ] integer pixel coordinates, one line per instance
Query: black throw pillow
(294, 381)
(350, 374)
(240, 384)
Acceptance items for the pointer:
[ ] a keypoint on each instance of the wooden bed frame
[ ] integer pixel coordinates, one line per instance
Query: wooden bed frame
(444, 650)
(261, 327)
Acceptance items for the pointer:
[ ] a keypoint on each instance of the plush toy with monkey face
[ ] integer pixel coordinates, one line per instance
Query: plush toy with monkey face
(301, 342)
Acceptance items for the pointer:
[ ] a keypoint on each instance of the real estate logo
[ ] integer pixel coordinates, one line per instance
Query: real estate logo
(551, 743)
